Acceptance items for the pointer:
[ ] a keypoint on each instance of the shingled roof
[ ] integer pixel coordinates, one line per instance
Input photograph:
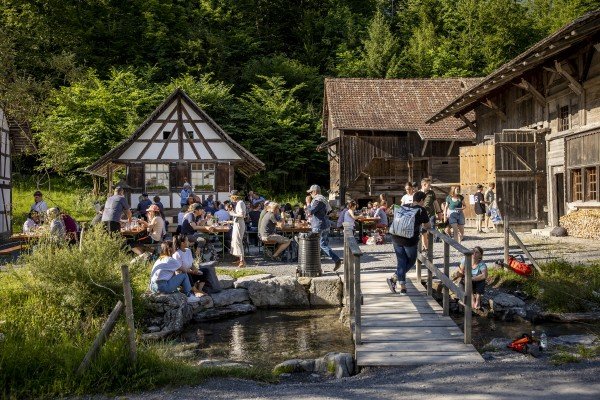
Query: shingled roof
(394, 105)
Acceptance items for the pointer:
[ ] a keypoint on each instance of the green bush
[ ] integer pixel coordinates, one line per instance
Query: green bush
(54, 304)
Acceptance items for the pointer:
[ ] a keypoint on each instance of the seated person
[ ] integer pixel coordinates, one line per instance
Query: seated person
(299, 213)
(71, 227)
(56, 225)
(32, 222)
(221, 214)
(143, 206)
(381, 212)
(180, 216)
(350, 215)
(254, 216)
(266, 230)
(155, 230)
(191, 221)
(479, 274)
(163, 278)
(341, 216)
(198, 276)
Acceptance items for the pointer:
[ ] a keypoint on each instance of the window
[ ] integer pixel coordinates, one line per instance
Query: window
(577, 187)
(166, 134)
(190, 134)
(563, 119)
(157, 177)
(203, 176)
(591, 183)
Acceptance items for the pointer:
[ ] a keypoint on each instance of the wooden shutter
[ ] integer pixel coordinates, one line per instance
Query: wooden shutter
(173, 176)
(135, 176)
(222, 178)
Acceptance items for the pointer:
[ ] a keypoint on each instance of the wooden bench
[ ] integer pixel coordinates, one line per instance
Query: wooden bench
(11, 250)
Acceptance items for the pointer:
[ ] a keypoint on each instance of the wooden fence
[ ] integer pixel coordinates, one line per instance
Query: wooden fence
(352, 291)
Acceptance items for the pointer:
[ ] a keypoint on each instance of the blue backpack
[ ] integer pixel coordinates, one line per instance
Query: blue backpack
(403, 224)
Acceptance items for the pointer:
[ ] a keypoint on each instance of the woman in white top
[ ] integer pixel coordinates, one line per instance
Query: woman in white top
(164, 277)
(198, 276)
(408, 197)
(239, 227)
(32, 223)
(156, 226)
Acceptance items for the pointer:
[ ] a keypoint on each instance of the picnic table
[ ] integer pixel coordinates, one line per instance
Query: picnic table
(288, 230)
(25, 237)
(219, 230)
(362, 221)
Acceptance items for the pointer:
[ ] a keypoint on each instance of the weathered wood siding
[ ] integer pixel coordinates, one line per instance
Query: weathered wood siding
(477, 167)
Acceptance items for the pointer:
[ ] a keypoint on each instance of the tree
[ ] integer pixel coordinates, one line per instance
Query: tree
(281, 132)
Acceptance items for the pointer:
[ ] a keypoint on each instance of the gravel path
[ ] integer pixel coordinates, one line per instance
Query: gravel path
(382, 256)
(527, 379)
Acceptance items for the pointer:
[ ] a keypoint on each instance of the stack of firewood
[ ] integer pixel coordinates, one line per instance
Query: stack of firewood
(582, 224)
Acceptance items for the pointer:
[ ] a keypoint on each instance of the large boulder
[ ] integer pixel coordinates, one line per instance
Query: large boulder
(230, 296)
(340, 364)
(278, 292)
(506, 306)
(326, 291)
(226, 281)
(240, 282)
(173, 312)
(558, 231)
(224, 312)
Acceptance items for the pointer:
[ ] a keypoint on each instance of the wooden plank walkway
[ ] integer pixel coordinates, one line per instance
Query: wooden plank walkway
(406, 330)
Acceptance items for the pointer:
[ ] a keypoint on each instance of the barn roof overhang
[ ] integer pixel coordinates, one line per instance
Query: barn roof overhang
(584, 28)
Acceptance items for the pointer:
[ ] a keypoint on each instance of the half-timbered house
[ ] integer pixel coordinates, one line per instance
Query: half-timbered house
(178, 143)
(537, 122)
(377, 138)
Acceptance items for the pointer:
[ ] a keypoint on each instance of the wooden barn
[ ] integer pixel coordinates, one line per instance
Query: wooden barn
(178, 143)
(5, 179)
(377, 138)
(537, 122)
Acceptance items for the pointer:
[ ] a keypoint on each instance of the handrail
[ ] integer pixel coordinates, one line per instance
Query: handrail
(448, 285)
(352, 289)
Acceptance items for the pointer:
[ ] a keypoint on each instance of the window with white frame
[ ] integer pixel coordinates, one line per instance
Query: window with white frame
(157, 177)
(203, 177)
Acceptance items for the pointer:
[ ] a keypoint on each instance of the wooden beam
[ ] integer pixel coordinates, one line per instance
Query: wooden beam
(597, 47)
(573, 84)
(523, 98)
(586, 65)
(424, 148)
(469, 124)
(524, 248)
(492, 106)
(450, 149)
(533, 91)
(518, 157)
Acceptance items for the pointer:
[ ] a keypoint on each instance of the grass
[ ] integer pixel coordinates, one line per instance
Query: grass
(239, 273)
(53, 306)
(565, 356)
(70, 195)
(561, 287)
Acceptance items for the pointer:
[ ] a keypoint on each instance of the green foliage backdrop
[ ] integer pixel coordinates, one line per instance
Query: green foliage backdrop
(86, 73)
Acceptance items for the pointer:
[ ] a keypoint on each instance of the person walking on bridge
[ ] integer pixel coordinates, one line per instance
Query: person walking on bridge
(405, 230)
(318, 207)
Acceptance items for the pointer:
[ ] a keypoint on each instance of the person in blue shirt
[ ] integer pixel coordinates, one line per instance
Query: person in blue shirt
(479, 274)
(143, 205)
(318, 207)
(185, 194)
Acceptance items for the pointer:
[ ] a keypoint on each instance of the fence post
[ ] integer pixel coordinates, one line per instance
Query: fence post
(468, 298)
(430, 258)
(506, 239)
(129, 314)
(357, 300)
(346, 274)
(446, 297)
(418, 264)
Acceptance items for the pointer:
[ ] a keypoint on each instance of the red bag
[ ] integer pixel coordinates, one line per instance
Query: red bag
(520, 267)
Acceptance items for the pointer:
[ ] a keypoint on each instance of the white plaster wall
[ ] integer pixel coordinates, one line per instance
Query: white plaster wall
(223, 151)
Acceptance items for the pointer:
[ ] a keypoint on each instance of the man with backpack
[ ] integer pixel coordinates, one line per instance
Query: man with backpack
(405, 230)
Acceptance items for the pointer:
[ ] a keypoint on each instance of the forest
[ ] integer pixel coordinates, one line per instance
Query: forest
(83, 74)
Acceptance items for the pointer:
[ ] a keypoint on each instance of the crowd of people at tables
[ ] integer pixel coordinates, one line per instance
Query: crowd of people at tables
(42, 219)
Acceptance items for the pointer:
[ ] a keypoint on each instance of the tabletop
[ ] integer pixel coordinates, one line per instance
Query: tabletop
(294, 229)
(25, 237)
(368, 219)
(213, 229)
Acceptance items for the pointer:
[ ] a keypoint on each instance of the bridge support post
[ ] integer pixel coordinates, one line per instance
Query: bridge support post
(446, 298)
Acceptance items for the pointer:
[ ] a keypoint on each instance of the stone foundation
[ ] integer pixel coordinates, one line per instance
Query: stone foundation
(169, 313)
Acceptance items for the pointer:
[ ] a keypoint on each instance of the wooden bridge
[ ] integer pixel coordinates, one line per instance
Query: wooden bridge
(392, 329)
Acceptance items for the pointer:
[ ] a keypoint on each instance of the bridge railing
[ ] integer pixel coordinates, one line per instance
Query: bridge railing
(443, 275)
(352, 290)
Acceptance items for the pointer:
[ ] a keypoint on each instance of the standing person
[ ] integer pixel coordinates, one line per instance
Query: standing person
(318, 207)
(479, 274)
(39, 205)
(341, 216)
(163, 278)
(430, 204)
(408, 197)
(479, 208)
(490, 200)
(185, 194)
(455, 204)
(198, 276)
(115, 206)
(405, 247)
(350, 216)
(239, 227)
(143, 206)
